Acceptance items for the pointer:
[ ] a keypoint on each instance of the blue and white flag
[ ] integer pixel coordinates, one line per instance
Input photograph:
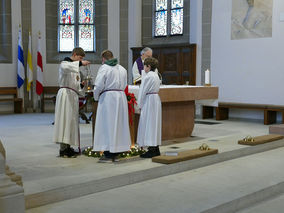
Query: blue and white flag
(21, 67)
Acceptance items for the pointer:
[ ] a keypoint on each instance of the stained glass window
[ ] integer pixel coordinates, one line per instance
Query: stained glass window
(173, 21)
(177, 4)
(86, 14)
(161, 5)
(161, 16)
(161, 23)
(86, 37)
(76, 25)
(177, 22)
(66, 9)
(66, 37)
(86, 27)
(177, 17)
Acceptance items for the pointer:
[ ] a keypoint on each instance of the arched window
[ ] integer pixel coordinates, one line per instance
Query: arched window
(171, 24)
(76, 25)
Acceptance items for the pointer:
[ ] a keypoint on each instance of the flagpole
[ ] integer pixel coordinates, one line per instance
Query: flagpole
(20, 66)
(39, 81)
(30, 71)
(38, 96)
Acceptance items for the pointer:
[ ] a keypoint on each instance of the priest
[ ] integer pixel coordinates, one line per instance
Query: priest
(67, 103)
(112, 128)
(138, 66)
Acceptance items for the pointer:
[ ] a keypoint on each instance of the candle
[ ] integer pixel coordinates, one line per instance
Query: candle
(207, 78)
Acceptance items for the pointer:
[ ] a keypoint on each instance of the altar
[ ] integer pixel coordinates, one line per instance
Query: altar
(178, 108)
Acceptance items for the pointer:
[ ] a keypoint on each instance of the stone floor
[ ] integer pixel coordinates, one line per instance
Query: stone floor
(84, 185)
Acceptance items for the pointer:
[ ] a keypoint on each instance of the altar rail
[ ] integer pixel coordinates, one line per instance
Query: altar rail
(11, 95)
(222, 111)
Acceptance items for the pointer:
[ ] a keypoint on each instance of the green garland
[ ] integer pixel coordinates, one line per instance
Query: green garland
(132, 152)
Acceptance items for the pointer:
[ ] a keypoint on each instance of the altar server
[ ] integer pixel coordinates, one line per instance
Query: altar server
(67, 105)
(149, 129)
(112, 128)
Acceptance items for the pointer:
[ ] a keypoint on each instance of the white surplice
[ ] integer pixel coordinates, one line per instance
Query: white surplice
(150, 123)
(112, 126)
(66, 124)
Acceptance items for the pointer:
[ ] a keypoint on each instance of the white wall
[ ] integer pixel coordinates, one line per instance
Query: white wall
(247, 70)
(196, 33)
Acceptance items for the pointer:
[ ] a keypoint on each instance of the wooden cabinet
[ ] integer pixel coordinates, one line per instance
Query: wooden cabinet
(177, 63)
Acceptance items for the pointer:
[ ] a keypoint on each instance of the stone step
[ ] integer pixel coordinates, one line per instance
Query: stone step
(248, 200)
(224, 187)
(273, 204)
(94, 186)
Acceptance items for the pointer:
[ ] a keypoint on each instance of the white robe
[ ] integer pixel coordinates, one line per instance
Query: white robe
(150, 123)
(112, 125)
(66, 126)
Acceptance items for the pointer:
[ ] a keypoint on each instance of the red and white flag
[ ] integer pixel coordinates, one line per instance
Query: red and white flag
(39, 81)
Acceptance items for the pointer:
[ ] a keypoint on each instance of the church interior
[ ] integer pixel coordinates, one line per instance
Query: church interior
(222, 131)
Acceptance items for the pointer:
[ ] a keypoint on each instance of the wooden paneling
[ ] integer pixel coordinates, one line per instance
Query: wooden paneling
(188, 93)
(177, 63)
(177, 119)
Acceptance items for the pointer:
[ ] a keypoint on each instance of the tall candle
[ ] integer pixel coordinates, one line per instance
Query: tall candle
(207, 77)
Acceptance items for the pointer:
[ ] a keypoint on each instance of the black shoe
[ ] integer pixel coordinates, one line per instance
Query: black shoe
(152, 152)
(69, 153)
(109, 157)
(73, 151)
(105, 159)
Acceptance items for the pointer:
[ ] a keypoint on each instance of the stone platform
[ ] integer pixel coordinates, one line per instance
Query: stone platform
(48, 179)
(224, 187)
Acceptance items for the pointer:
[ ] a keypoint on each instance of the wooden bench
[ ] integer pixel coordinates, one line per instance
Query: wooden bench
(49, 94)
(12, 91)
(222, 111)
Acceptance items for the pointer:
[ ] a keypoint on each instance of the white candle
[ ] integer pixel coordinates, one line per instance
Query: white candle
(207, 77)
